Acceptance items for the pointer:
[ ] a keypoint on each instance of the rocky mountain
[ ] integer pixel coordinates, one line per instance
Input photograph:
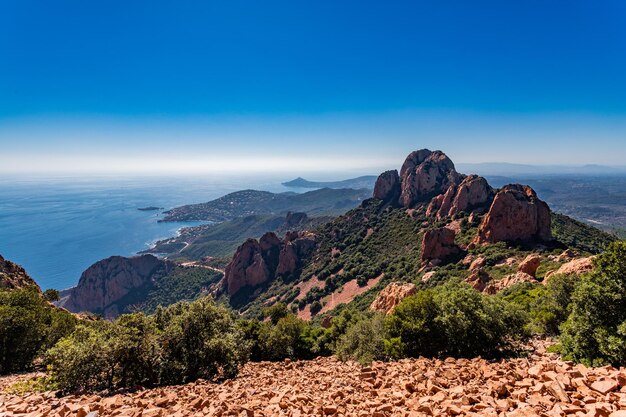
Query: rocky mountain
(14, 276)
(424, 224)
(103, 286)
(366, 181)
(323, 202)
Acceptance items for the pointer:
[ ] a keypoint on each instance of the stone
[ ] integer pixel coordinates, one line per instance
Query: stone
(574, 267)
(605, 386)
(516, 214)
(391, 296)
(508, 281)
(438, 244)
(530, 264)
(473, 192)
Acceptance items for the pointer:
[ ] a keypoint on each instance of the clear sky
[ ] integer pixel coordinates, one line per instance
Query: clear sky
(208, 85)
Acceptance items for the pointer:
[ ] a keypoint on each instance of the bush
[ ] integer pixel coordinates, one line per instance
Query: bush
(364, 341)
(51, 295)
(316, 307)
(454, 319)
(28, 326)
(595, 331)
(180, 343)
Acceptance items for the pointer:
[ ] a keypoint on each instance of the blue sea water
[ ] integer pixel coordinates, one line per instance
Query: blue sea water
(57, 227)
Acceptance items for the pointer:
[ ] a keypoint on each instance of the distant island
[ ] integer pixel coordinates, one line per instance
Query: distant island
(150, 208)
(366, 181)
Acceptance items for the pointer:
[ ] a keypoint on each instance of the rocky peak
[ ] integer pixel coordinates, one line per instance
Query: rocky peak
(515, 214)
(256, 262)
(387, 187)
(13, 276)
(424, 175)
(105, 283)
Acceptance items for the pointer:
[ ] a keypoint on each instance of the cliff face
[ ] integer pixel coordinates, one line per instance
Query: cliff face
(256, 262)
(13, 276)
(104, 284)
(516, 214)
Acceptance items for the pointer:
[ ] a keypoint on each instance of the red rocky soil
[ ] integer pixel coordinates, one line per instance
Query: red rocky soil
(538, 385)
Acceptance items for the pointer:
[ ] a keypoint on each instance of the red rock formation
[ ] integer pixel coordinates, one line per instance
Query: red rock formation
(387, 186)
(473, 192)
(425, 174)
(391, 296)
(574, 267)
(13, 276)
(530, 264)
(508, 281)
(256, 262)
(438, 244)
(106, 282)
(478, 279)
(515, 214)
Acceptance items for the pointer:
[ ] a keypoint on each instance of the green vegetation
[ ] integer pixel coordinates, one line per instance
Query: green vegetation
(183, 342)
(575, 234)
(28, 326)
(595, 331)
(183, 284)
(322, 202)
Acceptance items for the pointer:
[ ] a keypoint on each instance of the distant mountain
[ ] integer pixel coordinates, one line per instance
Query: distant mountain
(506, 169)
(323, 202)
(366, 181)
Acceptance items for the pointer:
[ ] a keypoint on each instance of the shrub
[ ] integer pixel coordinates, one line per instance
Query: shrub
(51, 295)
(595, 331)
(275, 312)
(28, 325)
(364, 341)
(454, 319)
(180, 343)
(287, 339)
(316, 307)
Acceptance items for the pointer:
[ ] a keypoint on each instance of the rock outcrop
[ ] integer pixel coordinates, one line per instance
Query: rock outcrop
(391, 296)
(256, 262)
(496, 286)
(13, 276)
(574, 267)
(438, 244)
(473, 192)
(516, 214)
(478, 279)
(530, 264)
(104, 285)
(424, 175)
(387, 187)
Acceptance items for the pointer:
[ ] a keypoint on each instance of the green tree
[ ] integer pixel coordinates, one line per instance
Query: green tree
(595, 331)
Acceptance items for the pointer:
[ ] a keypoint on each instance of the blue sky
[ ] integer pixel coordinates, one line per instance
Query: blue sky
(187, 85)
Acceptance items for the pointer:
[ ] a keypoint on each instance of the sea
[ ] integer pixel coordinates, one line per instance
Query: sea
(56, 226)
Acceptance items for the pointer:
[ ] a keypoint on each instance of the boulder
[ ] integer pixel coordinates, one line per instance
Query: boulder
(391, 296)
(530, 264)
(387, 187)
(438, 244)
(478, 279)
(574, 267)
(516, 214)
(424, 175)
(508, 281)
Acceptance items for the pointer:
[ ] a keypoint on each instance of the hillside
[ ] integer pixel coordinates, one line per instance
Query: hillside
(221, 239)
(245, 203)
(424, 226)
(366, 181)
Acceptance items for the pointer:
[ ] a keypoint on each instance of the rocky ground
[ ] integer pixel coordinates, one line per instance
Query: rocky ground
(537, 385)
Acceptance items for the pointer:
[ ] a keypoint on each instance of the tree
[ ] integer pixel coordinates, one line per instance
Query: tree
(595, 331)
